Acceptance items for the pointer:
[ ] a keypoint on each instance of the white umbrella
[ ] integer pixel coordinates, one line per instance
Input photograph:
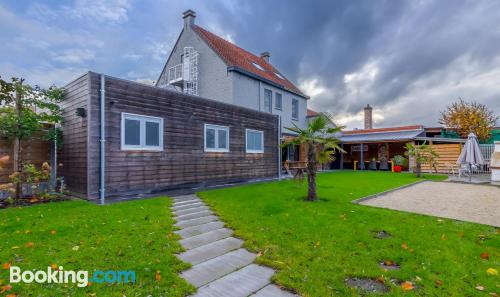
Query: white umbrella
(471, 154)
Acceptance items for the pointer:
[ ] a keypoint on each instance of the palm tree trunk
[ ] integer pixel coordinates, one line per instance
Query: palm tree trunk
(311, 173)
(419, 169)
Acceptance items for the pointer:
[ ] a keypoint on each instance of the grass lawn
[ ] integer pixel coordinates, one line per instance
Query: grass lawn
(317, 245)
(78, 235)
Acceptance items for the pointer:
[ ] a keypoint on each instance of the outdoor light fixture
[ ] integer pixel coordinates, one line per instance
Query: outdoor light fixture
(81, 112)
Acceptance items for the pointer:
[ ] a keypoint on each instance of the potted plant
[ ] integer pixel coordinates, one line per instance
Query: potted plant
(399, 162)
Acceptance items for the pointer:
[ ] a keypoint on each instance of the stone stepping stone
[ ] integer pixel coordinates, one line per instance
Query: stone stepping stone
(196, 222)
(273, 291)
(188, 206)
(205, 238)
(200, 229)
(240, 283)
(190, 210)
(211, 250)
(208, 271)
(185, 197)
(186, 202)
(195, 215)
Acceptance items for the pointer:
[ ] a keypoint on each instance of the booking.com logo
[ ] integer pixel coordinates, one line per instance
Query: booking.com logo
(61, 276)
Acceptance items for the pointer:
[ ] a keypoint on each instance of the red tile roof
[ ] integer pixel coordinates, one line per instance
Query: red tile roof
(311, 113)
(388, 129)
(242, 59)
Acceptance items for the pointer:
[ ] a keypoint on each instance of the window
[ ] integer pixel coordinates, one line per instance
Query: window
(268, 100)
(295, 109)
(278, 101)
(141, 132)
(216, 138)
(254, 141)
(279, 75)
(257, 66)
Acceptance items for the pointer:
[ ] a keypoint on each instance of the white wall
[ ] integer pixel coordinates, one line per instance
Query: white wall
(213, 79)
(249, 92)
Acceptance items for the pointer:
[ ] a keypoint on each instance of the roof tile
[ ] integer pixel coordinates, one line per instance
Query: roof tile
(388, 129)
(240, 58)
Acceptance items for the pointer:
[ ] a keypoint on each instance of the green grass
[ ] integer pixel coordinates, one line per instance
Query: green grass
(134, 235)
(317, 245)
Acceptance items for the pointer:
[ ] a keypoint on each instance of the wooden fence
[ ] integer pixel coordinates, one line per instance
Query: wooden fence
(35, 150)
(448, 156)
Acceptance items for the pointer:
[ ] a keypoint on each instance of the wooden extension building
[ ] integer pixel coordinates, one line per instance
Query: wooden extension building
(123, 137)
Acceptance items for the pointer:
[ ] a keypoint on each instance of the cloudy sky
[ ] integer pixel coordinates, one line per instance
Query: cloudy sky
(408, 59)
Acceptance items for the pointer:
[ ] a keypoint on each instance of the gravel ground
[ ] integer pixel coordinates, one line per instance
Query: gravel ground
(466, 202)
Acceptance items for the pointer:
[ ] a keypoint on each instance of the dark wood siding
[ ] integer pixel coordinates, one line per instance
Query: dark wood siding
(73, 156)
(183, 161)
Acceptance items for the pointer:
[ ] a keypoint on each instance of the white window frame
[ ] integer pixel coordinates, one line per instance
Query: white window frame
(261, 151)
(216, 149)
(276, 101)
(298, 107)
(269, 107)
(142, 132)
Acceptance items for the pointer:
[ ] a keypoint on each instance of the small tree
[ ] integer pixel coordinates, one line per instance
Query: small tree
(23, 111)
(422, 154)
(466, 117)
(321, 143)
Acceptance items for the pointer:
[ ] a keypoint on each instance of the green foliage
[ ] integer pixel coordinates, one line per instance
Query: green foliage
(135, 235)
(423, 154)
(400, 160)
(55, 135)
(320, 142)
(25, 108)
(316, 246)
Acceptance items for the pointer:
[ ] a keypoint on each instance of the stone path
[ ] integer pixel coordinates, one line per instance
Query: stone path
(221, 268)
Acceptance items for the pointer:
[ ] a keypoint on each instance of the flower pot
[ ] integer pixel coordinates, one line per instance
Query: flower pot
(397, 168)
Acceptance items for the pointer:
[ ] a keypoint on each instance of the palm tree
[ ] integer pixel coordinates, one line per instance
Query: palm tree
(422, 154)
(321, 143)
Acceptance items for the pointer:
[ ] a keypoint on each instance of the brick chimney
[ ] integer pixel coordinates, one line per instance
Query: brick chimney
(265, 56)
(188, 17)
(368, 117)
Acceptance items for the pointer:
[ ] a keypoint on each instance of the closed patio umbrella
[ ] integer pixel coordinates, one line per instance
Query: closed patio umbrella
(471, 154)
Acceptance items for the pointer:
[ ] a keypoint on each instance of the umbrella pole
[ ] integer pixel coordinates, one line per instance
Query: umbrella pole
(470, 173)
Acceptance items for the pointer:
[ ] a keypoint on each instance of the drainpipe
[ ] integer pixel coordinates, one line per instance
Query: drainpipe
(260, 89)
(279, 147)
(102, 141)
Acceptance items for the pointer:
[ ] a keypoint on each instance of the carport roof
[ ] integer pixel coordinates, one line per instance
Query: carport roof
(382, 136)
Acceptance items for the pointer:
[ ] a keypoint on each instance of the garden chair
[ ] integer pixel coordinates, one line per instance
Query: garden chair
(466, 170)
(384, 165)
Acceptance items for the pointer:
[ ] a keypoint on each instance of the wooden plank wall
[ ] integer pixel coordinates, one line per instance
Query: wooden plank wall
(73, 155)
(36, 150)
(448, 155)
(183, 160)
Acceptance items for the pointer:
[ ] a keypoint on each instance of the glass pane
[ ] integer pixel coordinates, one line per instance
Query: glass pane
(268, 95)
(254, 141)
(132, 132)
(250, 141)
(152, 133)
(210, 138)
(258, 141)
(295, 108)
(278, 100)
(222, 134)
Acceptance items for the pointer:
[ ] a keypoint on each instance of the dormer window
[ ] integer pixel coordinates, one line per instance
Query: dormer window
(279, 75)
(257, 66)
